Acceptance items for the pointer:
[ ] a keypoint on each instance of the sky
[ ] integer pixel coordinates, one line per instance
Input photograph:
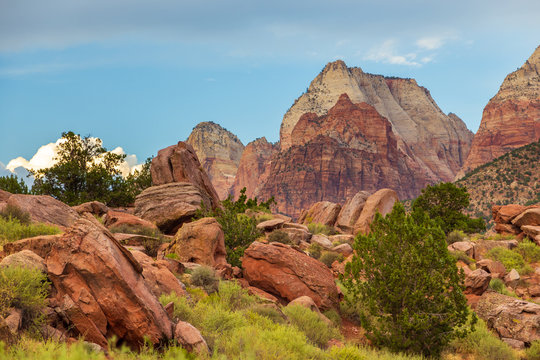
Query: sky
(141, 74)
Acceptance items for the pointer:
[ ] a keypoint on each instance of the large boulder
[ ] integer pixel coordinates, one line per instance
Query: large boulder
(100, 288)
(93, 207)
(511, 318)
(179, 163)
(477, 281)
(170, 205)
(381, 201)
(482, 247)
(201, 242)
(350, 212)
(45, 209)
(190, 338)
(25, 258)
(533, 232)
(119, 218)
(466, 247)
(529, 217)
(322, 212)
(40, 245)
(504, 214)
(288, 274)
(495, 268)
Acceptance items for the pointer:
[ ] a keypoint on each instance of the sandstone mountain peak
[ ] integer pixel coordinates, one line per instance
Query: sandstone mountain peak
(219, 152)
(511, 118)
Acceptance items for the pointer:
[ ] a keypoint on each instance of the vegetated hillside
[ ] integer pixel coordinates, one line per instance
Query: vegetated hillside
(513, 178)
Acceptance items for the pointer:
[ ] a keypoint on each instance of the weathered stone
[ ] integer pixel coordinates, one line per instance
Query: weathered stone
(270, 225)
(93, 207)
(464, 246)
(14, 320)
(288, 273)
(482, 247)
(511, 279)
(40, 245)
(297, 235)
(25, 258)
(322, 212)
(201, 242)
(477, 282)
(322, 240)
(381, 201)
(343, 249)
(495, 268)
(507, 229)
(190, 338)
(159, 279)
(45, 209)
(341, 238)
(506, 213)
(306, 302)
(350, 212)
(117, 218)
(529, 217)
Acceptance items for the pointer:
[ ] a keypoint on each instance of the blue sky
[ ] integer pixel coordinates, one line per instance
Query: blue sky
(141, 74)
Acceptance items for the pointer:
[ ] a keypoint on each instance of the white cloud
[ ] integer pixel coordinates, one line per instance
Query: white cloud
(430, 43)
(45, 157)
(387, 53)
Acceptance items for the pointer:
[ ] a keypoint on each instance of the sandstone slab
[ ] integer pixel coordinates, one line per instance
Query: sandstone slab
(381, 201)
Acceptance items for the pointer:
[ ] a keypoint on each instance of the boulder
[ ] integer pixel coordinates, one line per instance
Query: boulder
(99, 287)
(288, 273)
(511, 318)
(477, 281)
(158, 277)
(381, 201)
(343, 249)
(4, 196)
(482, 247)
(270, 225)
(511, 279)
(25, 258)
(92, 207)
(350, 212)
(322, 212)
(201, 242)
(170, 205)
(466, 247)
(533, 232)
(118, 218)
(529, 217)
(291, 225)
(45, 209)
(40, 245)
(179, 163)
(506, 229)
(495, 268)
(6, 336)
(506, 213)
(322, 240)
(14, 320)
(342, 239)
(190, 338)
(306, 302)
(297, 235)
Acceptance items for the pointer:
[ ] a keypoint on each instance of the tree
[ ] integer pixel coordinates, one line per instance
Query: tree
(445, 203)
(13, 184)
(408, 284)
(85, 171)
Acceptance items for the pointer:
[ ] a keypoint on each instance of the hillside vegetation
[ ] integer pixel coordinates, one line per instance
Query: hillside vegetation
(513, 178)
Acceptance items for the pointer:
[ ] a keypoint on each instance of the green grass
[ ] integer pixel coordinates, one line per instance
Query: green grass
(316, 228)
(11, 229)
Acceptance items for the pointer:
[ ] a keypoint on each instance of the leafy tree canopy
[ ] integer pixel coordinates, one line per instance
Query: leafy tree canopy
(13, 185)
(408, 284)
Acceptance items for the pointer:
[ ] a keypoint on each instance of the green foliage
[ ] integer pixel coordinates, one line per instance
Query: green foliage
(206, 278)
(86, 171)
(408, 283)
(445, 203)
(24, 289)
(316, 228)
(12, 230)
(528, 250)
(13, 185)
(334, 316)
(455, 236)
(510, 259)
(240, 230)
(497, 285)
(328, 258)
(279, 236)
(533, 352)
(15, 212)
(311, 324)
(461, 256)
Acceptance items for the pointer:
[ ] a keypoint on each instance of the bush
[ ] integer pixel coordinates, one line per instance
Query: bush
(24, 289)
(316, 228)
(455, 236)
(408, 283)
(315, 250)
(182, 306)
(510, 259)
(233, 297)
(206, 278)
(311, 324)
(15, 212)
(529, 251)
(334, 316)
(533, 352)
(280, 237)
(461, 256)
(328, 258)
(13, 184)
(13, 230)
(269, 312)
(497, 285)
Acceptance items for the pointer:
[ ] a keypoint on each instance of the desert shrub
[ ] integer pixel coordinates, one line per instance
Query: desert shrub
(12, 230)
(316, 228)
(280, 237)
(334, 316)
(309, 322)
(268, 312)
(263, 217)
(182, 306)
(510, 259)
(455, 236)
(24, 289)
(461, 256)
(533, 352)
(497, 285)
(529, 251)
(315, 250)
(483, 345)
(328, 258)
(233, 297)
(15, 212)
(172, 256)
(351, 352)
(206, 278)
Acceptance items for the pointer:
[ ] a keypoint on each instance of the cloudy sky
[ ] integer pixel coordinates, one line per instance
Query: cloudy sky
(141, 74)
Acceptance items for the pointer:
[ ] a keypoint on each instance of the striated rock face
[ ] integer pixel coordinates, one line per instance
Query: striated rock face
(333, 156)
(44, 208)
(219, 152)
(511, 118)
(254, 167)
(439, 143)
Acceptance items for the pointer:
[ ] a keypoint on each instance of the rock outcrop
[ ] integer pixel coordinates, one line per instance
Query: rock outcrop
(350, 212)
(381, 201)
(219, 151)
(322, 212)
(518, 220)
(288, 274)
(254, 167)
(45, 209)
(511, 118)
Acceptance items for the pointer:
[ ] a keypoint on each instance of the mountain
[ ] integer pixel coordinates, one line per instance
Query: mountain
(511, 118)
(513, 178)
(438, 142)
(219, 152)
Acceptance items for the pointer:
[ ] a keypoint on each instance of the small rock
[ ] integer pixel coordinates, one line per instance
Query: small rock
(14, 320)
(516, 344)
(322, 240)
(190, 338)
(344, 249)
(270, 225)
(512, 278)
(464, 246)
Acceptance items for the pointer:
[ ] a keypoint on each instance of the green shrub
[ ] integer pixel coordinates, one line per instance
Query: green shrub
(13, 230)
(280, 237)
(510, 259)
(24, 289)
(269, 312)
(529, 251)
(316, 228)
(172, 256)
(206, 278)
(15, 212)
(328, 258)
(233, 297)
(310, 323)
(497, 285)
(182, 306)
(334, 316)
(13, 185)
(315, 250)
(455, 236)
(461, 256)
(533, 352)
(263, 217)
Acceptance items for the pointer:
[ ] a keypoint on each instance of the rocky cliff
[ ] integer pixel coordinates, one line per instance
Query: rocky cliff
(333, 156)
(219, 152)
(439, 143)
(511, 118)
(254, 167)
